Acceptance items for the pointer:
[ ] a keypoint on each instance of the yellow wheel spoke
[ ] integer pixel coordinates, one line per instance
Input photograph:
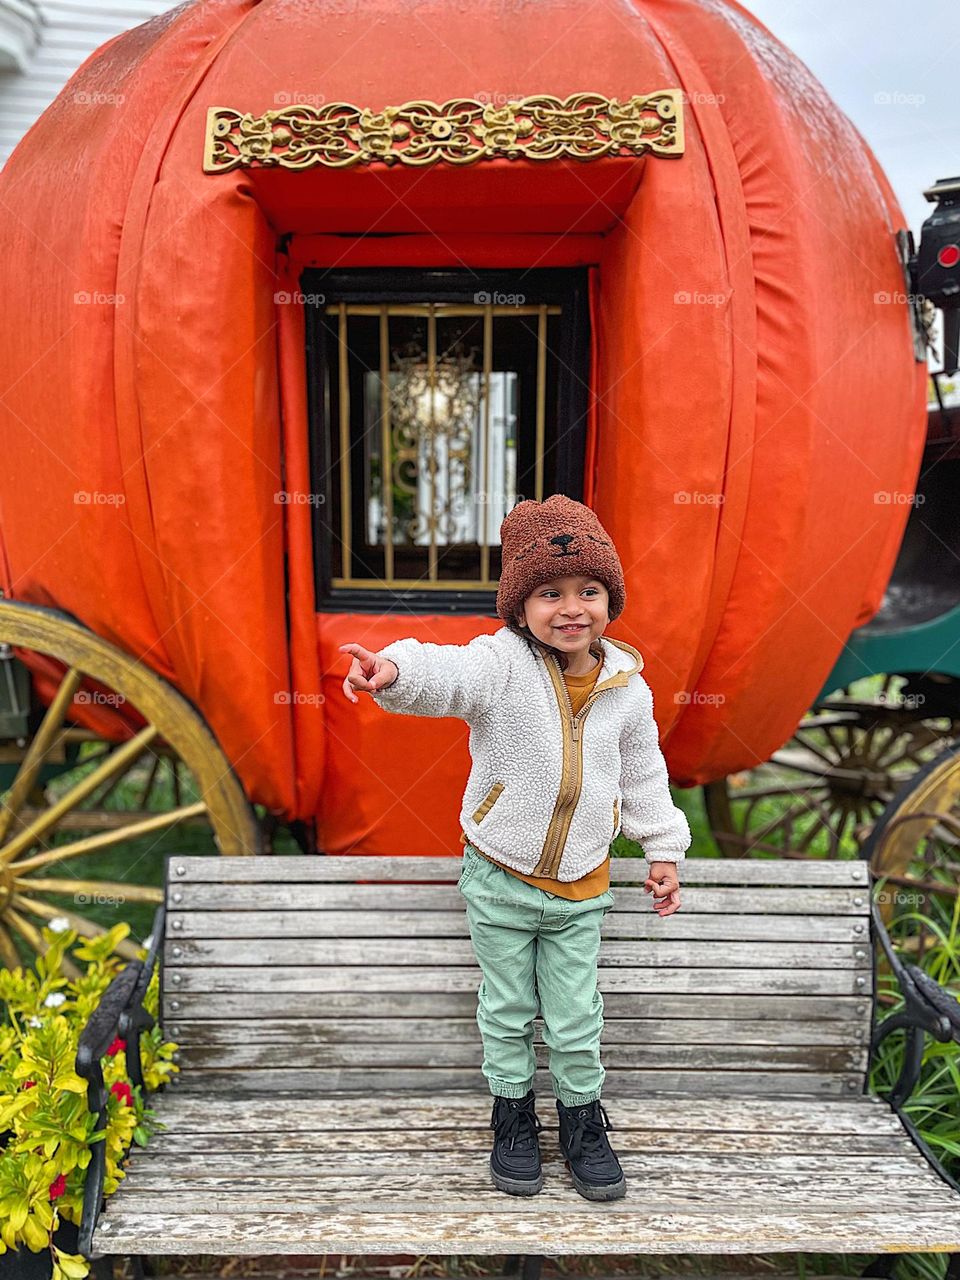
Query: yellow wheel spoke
(41, 744)
(119, 759)
(8, 950)
(29, 932)
(114, 806)
(109, 888)
(116, 836)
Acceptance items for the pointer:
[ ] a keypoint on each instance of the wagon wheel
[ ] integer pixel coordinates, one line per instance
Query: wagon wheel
(42, 829)
(821, 794)
(920, 830)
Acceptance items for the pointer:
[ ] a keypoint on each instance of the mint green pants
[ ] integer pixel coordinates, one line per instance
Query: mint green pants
(538, 954)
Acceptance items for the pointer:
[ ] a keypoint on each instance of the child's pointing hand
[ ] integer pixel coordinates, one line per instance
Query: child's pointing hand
(368, 671)
(664, 884)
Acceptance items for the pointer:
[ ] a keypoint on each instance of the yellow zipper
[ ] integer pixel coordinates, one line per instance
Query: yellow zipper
(562, 817)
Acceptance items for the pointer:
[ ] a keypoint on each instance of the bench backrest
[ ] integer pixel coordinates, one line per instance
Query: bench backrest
(339, 974)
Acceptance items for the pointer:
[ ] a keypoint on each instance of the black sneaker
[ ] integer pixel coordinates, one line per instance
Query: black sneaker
(515, 1158)
(593, 1166)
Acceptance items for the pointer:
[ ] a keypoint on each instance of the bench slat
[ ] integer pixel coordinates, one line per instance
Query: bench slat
(658, 952)
(204, 1170)
(390, 1110)
(559, 1226)
(362, 923)
(299, 868)
(317, 980)
(653, 1030)
(443, 1188)
(618, 1081)
(774, 1057)
(186, 1149)
(728, 900)
(810, 1011)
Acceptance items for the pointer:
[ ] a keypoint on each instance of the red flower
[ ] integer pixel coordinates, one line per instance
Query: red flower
(29, 1084)
(121, 1089)
(58, 1187)
(117, 1047)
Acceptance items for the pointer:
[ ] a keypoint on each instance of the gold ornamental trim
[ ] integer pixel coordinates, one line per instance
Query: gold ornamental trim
(337, 135)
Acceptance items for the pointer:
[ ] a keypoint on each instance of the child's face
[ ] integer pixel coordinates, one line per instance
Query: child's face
(557, 604)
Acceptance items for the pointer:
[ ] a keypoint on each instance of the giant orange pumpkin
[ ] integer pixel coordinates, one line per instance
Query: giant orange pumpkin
(179, 383)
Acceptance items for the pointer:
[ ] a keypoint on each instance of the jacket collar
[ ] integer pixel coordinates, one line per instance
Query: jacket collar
(620, 660)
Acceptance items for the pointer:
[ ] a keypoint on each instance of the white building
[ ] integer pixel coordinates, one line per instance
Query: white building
(42, 42)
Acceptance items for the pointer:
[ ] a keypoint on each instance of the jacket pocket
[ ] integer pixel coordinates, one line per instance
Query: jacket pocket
(489, 800)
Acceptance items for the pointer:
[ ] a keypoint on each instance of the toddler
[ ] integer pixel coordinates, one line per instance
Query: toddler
(565, 754)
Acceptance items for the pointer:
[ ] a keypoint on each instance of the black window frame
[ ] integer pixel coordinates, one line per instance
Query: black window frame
(566, 286)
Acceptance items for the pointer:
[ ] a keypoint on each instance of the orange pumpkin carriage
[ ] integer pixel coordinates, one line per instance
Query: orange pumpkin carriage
(299, 300)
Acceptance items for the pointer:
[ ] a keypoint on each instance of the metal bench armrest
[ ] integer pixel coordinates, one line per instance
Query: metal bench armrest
(929, 1008)
(119, 1012)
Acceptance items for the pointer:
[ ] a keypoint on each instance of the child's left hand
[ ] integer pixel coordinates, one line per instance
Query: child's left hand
(664, 883)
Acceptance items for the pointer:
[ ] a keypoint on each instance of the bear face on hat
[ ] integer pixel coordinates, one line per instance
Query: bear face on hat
(553, 539)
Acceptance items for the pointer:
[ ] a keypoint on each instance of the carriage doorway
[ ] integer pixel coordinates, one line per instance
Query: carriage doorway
(438, 399)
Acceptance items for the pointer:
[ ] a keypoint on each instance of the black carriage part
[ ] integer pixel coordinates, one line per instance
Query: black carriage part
(936, 267)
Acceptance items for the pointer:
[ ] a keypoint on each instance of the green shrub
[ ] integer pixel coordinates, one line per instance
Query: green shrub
(46, 1129)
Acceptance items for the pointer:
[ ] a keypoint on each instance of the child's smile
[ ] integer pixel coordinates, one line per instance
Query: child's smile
(569, 613)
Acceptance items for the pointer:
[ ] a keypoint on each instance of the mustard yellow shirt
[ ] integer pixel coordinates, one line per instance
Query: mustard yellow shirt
(598, 880)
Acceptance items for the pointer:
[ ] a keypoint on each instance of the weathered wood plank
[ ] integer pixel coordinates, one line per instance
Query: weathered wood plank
(267, 895)
(558, 1225)
(661, 952)
(717, 1175)
(648, 1031)
(300, 869)
(366, 922)
(618, 1082)
(814, 1009)
(255, 1055)
(419, 1191)
(189, 1147)
(389, 1110)
(318, 980)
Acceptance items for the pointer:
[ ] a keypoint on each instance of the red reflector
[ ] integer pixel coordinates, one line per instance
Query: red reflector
(949, 255)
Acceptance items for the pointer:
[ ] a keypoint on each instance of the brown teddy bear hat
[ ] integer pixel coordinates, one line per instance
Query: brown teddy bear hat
(551, 539)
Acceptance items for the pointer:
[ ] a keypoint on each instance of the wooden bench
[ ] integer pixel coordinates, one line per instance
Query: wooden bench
(325, 1012)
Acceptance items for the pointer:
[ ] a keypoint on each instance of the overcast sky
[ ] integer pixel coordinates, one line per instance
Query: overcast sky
(894, 69)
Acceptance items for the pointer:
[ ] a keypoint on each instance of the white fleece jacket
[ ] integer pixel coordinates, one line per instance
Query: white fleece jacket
(547, 792)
